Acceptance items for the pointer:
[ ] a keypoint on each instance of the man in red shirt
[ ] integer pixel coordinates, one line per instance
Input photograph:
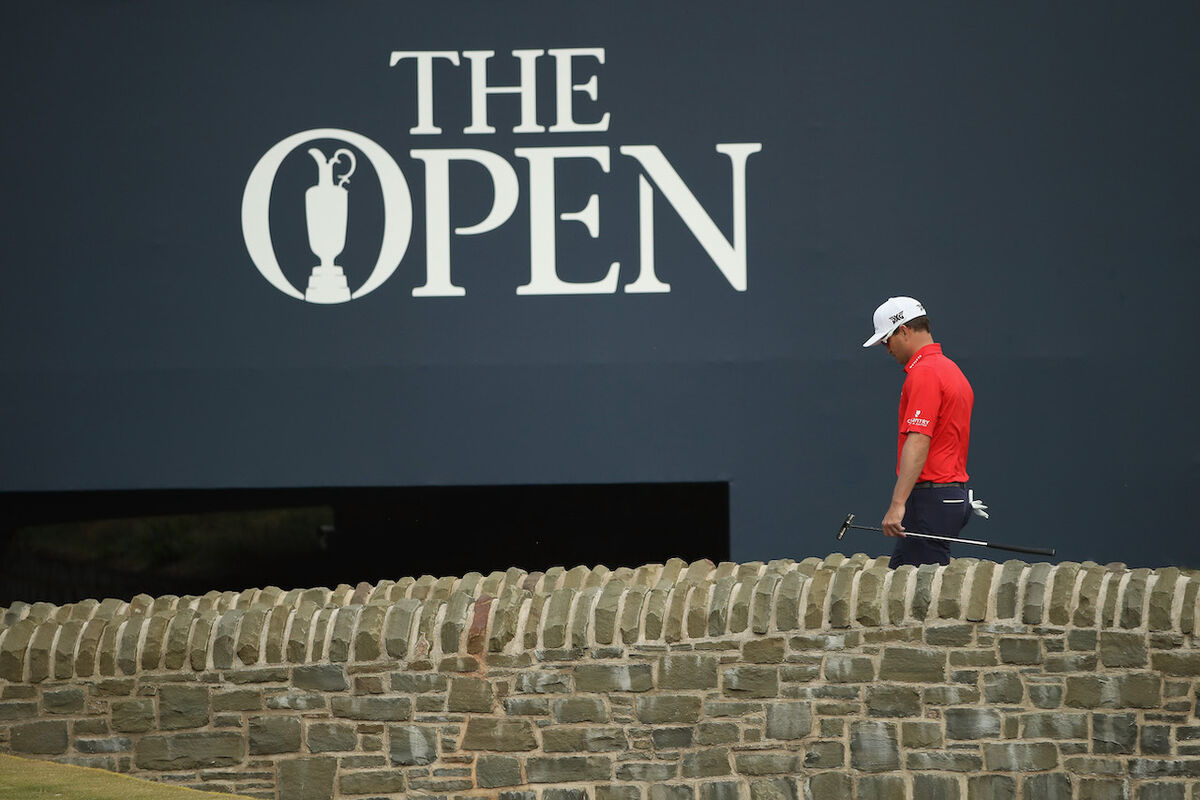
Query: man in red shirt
(930, 495)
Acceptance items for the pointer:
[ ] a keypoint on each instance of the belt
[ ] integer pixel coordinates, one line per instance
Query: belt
(932, 485)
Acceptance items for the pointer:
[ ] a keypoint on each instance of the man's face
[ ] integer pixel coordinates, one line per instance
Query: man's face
(897, 345)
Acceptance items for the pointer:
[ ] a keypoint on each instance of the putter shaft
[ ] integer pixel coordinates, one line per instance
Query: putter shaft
(1041, 551)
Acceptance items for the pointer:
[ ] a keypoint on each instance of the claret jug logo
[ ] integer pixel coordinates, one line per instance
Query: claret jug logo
(328, 211)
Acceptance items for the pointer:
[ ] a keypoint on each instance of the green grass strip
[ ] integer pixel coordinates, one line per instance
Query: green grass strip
(29, 779)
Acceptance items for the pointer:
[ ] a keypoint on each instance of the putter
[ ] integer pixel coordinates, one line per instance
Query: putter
(1040, 551)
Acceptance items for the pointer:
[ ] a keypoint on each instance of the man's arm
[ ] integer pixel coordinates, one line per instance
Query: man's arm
(912, 460)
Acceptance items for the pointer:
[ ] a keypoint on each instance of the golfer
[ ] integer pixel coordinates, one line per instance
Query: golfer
(935, 427)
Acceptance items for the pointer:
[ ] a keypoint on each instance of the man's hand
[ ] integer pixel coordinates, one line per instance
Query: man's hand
(912, 460)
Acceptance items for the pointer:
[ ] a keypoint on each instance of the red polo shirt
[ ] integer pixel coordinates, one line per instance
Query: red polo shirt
(936, 400)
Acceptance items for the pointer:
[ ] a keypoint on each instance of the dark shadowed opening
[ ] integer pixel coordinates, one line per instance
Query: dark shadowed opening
(66, 546)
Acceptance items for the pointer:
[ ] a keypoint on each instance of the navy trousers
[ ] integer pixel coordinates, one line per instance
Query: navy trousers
(943, 511)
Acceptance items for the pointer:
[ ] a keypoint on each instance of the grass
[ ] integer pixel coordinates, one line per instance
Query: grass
(28, 779)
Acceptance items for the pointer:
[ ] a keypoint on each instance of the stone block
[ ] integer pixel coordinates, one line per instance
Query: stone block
(133, 716)
(705, 763)
(825, 755)
(1083, 639)
(881, 787)
(471, 695)
(331, 737)
(568, 769)
(913, 665)
(373, 782)
(668, 709)
(1161, 791)
(495, 771)
(113, 744)
(184, 751)
(1020, 756)
(579, 709)
(893, 700)
(1143, 768)
(952, 695)
(14, 711)
(499, 735)
(238, 700)
(1054, 726)
(1052, 786)
(991, 787)
(720, 790)
(841, 668)
(665, 791)
(413, 745)
(606, 678)
(1114, 733)
(1020, 650)
(63, 701)
(1122, 649)
(944, 761)
(972, 723)
(611, 792)
(646, 772)
(376, 709)
(1103, 789)
(921, 734)
(321, 678)
(307, 778)
(260, 675)
(543, 682)
(44, 737)
(935, 787)
(1046, 695)
(1003, 687)
(1154, 740)
(272, 735)
(764, 651)
(949, 635)
(829, 786)
(578, 739)
(565, 794)
(717, 733)
(687, 671)
(754, 763)
(773, 789)
(527, 706)
(663, 738)
(181, 707)
(874, 746)
(789, 720)
(298, 701)
(1178, 664)
(418, 682)
(748, 681)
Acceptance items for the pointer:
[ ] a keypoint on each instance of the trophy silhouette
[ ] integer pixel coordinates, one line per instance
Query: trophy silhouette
(325, 210)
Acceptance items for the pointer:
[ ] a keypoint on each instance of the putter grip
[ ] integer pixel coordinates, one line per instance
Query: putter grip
(1038, 551)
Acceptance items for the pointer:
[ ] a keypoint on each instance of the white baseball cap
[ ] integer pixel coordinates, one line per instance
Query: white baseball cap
(891, 315)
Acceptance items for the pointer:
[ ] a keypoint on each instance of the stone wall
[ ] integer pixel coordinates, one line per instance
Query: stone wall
(819, 679)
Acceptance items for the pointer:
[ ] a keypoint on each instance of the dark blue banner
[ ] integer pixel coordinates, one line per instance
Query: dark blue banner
(457, 243)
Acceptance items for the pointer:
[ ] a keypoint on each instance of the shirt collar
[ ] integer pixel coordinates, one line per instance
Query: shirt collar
(927, 350)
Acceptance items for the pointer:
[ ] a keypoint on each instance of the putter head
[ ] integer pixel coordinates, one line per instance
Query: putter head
(845, 525)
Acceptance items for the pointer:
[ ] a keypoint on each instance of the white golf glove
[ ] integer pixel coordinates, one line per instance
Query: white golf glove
(977, 506)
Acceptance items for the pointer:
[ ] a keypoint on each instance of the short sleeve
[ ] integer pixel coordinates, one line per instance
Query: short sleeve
(921, 402)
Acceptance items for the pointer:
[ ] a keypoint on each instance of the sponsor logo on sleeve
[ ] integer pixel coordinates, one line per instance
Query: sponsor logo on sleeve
(917, 421)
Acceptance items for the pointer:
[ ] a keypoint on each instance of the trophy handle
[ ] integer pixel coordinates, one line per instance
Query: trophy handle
(337, 154)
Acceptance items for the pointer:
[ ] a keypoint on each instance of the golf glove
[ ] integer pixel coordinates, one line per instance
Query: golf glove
(977, 506)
